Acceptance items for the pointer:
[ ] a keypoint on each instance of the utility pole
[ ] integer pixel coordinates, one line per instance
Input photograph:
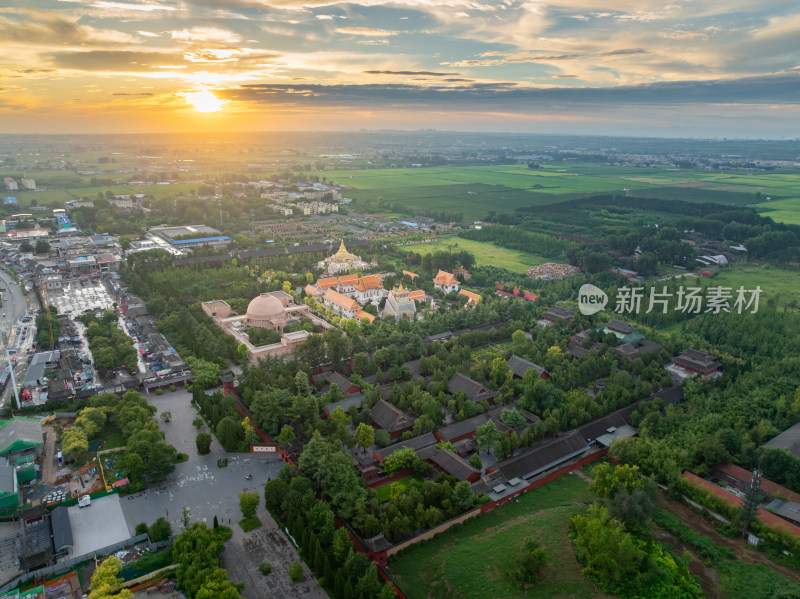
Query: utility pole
(750, 506)
(11, 368)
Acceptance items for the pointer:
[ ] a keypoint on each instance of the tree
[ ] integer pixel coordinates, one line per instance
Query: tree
(92, 420)
(475, 461)
(274, 492)
(399, 459)
(487, 435)
(365, 435)
(513, 418)
(105, 581)
(608, 479)
(462, 495)
(296, 572)
(160, 530)
(241, 353)
(229, 433)
(647, 264)
(74, 442)
(602, 545)
(250, 434)
(526, 565)
(286, 435)
(382, 438)
(248, 503)
(206, 374)
(203, 443)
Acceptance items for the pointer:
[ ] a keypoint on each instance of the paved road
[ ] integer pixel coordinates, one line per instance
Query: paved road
(198, 483)
(15, 306)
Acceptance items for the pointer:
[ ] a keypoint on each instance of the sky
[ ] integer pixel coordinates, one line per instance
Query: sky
(689, 68)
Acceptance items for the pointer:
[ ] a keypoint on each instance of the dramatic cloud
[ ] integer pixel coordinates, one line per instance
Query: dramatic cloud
(429, 73)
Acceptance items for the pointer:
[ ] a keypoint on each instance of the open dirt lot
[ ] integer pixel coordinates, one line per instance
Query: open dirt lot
(245, 551)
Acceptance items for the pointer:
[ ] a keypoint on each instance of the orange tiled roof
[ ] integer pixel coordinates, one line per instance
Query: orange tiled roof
(361, 314)
(413, 275)
(341, 300)
(445, 278)
(470, 295)
(324, 284)
(312, 290)
(348, 279)
(369, 282)
(416, 295)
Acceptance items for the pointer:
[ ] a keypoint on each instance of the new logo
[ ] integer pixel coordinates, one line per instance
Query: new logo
(591, 299)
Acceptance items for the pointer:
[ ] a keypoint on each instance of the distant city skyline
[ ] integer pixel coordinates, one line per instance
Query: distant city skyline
(594, 67)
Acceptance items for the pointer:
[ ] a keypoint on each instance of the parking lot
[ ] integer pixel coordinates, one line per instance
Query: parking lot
(198, 483)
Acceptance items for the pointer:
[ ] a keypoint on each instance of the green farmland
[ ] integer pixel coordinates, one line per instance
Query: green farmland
(486, 254)
(783, 211)
(468, 563)
(477, 190)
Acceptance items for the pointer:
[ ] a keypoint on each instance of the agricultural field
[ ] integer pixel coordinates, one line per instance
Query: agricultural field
(486, 254)
(782, 211)
(468, 563)
(476, 190)
(772, 280)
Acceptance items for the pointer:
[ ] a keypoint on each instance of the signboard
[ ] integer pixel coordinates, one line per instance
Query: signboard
(263, 448)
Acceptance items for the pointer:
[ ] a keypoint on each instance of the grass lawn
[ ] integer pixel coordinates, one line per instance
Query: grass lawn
(771, 279)
(249, 524)
(407, 481)
(468, 563)
(486, 254)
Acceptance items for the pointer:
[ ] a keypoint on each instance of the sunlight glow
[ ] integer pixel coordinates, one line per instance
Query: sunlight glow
(204, 101)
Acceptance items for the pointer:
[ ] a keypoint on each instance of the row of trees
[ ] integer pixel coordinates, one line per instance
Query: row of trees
(111, 347)
(147, 455)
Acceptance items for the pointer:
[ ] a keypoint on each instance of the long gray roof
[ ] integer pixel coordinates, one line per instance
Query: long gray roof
(544, 458)
(62, 528)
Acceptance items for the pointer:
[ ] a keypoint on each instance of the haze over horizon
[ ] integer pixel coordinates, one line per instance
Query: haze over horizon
(701, 69)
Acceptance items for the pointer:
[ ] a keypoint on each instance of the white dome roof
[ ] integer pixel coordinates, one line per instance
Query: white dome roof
(265, 307)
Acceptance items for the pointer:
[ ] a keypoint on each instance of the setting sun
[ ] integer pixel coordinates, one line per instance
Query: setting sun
(204, 101)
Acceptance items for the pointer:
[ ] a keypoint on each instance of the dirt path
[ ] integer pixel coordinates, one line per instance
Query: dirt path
(740, 549)
(581, 474)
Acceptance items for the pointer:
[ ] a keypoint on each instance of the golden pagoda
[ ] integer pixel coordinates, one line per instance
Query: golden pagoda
(343, 261)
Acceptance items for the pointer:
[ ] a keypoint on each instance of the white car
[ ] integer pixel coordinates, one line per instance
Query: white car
(84, 501)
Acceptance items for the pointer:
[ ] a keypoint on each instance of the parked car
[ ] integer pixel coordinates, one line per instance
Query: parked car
(84, 501)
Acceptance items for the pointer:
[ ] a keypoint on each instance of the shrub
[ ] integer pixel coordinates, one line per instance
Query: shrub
(160, 530)
(265, 568)
(180, 457)
(173, 388)
(249, 524)
(159, 392)
(224, 532)
(296, 572)
(141, 528)
(203, 443)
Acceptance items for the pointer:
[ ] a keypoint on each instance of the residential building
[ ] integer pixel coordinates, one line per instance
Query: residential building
(472, 298)
(556, 313)
(693, 361)
(11, 184)
(445, 282)
(391, 418)
(342, 305)
(369, 289)
(473, 389)
(519, 367)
